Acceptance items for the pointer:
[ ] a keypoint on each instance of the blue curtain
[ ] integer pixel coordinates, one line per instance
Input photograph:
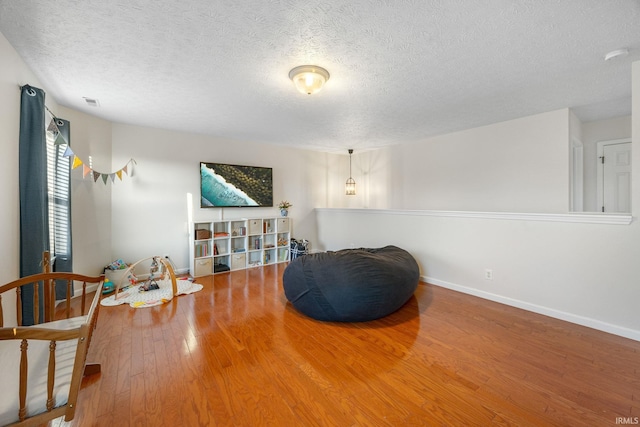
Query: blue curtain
(34, 223)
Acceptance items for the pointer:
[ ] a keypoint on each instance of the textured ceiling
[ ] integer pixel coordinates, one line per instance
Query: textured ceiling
(401, 70)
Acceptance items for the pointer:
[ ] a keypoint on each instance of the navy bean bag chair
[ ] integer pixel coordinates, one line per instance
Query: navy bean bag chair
(351, 285)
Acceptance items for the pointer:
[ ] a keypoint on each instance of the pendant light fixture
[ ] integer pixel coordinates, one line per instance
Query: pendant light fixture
(350, 186)
(309, 79)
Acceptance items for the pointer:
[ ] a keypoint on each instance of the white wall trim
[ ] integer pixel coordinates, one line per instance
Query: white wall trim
(556, 314)
(578, 217)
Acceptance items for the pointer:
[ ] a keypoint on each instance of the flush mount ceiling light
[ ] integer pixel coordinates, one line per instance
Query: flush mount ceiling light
(350, 185)
(616, 53)
(309, 79)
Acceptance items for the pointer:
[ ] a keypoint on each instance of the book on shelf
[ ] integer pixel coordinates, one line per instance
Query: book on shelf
(215, 249)
(220, 234)
(201, 250)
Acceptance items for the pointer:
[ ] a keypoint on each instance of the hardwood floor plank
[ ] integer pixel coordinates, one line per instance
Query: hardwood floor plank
(123, 354)
(137, 353)
(152, 387)
(137, 413)
(238, 354)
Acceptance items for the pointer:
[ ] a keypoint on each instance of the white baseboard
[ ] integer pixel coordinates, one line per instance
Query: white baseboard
(77, 290)
(556, 314)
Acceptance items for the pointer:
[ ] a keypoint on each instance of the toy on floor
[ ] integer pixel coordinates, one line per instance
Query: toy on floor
(161, 274)
(108, 287)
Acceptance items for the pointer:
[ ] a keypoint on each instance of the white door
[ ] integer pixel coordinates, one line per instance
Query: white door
(616, 185)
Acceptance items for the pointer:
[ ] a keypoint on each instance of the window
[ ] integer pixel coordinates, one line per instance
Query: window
(58, 181)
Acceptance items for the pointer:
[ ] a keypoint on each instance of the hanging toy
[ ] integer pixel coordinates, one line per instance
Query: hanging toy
(151, 283)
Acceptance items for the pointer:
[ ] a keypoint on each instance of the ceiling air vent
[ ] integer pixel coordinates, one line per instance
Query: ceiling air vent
(91, 102)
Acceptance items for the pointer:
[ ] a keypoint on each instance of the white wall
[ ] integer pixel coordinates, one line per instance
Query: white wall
(581, 272)
(515, 166)
(90, 201)
(13, 73)
(149, 210)
(592, 133)
(520, 165)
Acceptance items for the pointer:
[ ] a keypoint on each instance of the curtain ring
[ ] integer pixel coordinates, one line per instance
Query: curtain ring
(31, 91)
(59, 123)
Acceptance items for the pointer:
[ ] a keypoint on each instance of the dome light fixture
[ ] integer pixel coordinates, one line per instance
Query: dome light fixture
(309, 79)
(350, 185)
(616, 53)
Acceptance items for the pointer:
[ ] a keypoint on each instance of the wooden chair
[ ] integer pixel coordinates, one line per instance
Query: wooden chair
(42, 365)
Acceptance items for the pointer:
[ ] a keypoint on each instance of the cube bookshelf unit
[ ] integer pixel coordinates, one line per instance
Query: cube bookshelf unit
(227, 245)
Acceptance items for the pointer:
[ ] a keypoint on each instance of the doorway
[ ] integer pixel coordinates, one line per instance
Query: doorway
(614, 176)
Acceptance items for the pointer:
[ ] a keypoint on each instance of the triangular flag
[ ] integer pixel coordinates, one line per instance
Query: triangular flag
(113, 177)
(63, 128)
(68, 152)
(124, 169)
(119, 173)
(96, 175)
(76, 162)
(52, 126)
(85, 170)
(104, 178)
(60, 140)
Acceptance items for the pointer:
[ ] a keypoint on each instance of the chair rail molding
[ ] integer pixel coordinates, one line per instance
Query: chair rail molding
(577, 217)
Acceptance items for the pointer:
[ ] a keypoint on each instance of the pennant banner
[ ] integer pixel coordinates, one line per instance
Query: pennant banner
(106, 177)
(59, 129)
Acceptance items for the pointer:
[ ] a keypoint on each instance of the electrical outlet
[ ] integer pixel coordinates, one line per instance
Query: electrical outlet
(488, 274)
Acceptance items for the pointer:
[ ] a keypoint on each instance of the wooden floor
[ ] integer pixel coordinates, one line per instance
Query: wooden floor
(237, 354)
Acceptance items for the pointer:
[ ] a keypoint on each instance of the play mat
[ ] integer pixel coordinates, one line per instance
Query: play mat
(160, 287)
(136, 298)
